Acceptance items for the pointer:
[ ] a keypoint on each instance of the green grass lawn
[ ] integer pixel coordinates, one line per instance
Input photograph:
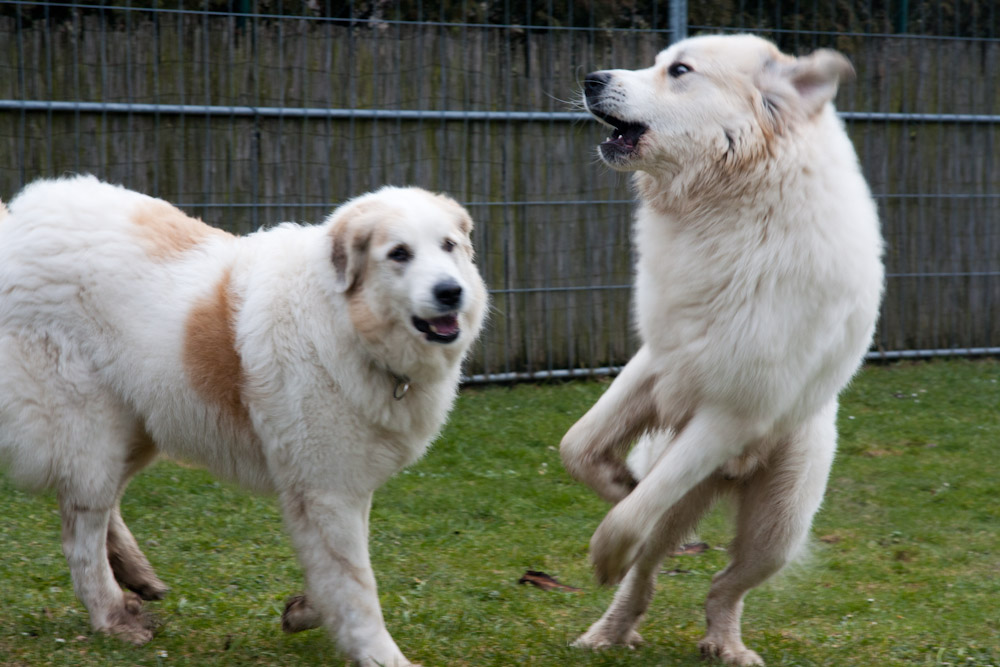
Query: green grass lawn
(904, 569)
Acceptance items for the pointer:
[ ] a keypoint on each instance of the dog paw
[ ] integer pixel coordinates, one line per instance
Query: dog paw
(129, 622)
(731, 653)
(613, 549)
(600, 636)
(153, 589)
(615, 482)
(610, 478)
(299, 615)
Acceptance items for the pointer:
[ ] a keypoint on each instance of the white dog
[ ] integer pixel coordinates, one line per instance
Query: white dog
(309, 361)
(758, 287)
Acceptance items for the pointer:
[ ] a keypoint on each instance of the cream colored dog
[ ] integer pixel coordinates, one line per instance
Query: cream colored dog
(308, 361)
(758, 287)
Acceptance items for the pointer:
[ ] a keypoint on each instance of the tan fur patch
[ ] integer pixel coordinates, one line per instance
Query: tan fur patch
(368, 325)
(210, 356)
(166, 232)
(350, 248)
(464, 220)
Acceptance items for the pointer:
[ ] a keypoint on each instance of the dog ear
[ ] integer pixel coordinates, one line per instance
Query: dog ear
(817, 76)
(806, 83)
(351, 234)
(464, 219)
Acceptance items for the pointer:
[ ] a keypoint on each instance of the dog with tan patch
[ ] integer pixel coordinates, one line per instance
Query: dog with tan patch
(758, 285)
(312, 362)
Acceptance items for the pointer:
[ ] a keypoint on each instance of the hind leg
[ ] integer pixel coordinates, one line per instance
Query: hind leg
(618, 624)
(84, 531)
(130, 567)
(60, 429)
(94, 465)
(776, 507)
(128, 564)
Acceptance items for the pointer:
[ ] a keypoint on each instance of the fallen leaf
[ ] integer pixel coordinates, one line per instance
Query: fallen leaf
(674, 573)
(830, 539)
(545, 582)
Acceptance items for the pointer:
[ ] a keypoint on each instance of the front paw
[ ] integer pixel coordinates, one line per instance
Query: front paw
(610, 478)
(617, 483)
(614, 547)
(129, 622)
(731, 652)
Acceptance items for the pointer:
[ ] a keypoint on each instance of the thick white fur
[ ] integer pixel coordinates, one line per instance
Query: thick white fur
(127, 328)
(758, 286)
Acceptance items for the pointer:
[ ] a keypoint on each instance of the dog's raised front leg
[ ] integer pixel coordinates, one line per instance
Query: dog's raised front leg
(710, 439)
(330, 533)
(593, 450)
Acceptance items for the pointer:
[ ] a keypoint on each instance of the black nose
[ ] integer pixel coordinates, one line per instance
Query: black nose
(594, 83)
(448, 293)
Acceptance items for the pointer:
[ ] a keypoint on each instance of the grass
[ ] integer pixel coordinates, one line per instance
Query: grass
(905, 567)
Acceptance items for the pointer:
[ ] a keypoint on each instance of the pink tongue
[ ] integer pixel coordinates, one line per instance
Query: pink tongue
(445, 326)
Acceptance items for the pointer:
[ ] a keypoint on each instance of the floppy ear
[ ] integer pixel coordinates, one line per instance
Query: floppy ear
(805, 83)
(351, 235)
(464, 219)
(817, 76)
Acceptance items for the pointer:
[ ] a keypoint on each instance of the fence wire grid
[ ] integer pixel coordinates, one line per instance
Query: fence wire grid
(246, 113)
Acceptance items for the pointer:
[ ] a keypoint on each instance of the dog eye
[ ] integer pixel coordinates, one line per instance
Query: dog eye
(677, 70)
(400, 254)
(448, 245)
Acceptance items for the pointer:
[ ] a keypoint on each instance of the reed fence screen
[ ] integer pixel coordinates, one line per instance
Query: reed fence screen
(249, 113)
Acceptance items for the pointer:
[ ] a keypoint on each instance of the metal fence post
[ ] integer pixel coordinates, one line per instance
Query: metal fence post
(495, 133)
(678, 20)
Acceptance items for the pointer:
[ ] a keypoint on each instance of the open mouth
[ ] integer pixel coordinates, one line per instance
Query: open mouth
(442, 329)
(623, 142)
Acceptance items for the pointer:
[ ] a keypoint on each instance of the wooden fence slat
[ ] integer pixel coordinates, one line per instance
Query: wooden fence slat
(264, 170)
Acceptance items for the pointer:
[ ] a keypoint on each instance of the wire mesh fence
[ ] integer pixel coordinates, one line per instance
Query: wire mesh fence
(250, 113)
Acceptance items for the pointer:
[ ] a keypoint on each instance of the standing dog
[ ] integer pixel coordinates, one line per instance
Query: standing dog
(309, 361)
(758, 286)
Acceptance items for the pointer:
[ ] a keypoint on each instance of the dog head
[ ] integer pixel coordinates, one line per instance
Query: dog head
(708, 100)
(404, 259)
